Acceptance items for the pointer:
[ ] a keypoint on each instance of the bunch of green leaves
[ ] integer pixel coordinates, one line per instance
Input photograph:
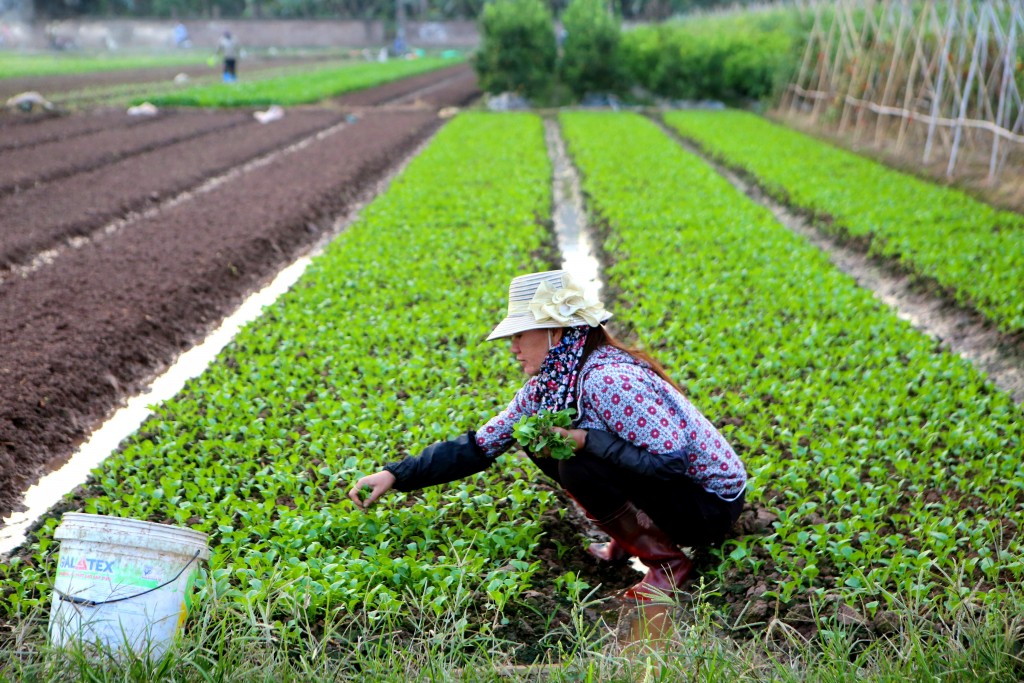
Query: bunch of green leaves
(865, 440)
(970, 249)
(534, 433)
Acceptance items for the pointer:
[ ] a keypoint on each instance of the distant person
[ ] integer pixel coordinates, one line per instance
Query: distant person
(181, 38)
(228, 48)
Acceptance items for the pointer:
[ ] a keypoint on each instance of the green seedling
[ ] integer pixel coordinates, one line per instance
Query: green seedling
(534, 433)
(891, 523)
(365, 493)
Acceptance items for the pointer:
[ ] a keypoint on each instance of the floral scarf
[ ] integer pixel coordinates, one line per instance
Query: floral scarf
(560, 369)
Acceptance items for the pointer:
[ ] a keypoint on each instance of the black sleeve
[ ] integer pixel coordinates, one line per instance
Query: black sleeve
(620, 452)
(440, 463)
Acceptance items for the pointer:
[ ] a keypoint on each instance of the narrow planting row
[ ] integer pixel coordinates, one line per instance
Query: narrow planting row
(974, 252)
(41, 130)
(405, 87)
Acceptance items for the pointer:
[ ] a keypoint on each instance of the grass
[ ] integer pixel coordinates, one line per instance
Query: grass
(16, 65)
(124, 94)
(229, 642)
(302, 88)
(26, 64)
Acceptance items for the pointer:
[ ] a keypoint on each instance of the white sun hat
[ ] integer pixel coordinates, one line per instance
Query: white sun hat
(547, 300)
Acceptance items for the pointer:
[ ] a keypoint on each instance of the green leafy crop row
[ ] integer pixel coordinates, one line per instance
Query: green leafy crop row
(889, 463)
(374, 354)
(17, 65)
(973, 251)
(300, 88)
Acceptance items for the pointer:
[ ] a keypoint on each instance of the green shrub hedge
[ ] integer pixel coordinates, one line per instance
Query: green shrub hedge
(517, 48)
(733, 57)
(590, 61)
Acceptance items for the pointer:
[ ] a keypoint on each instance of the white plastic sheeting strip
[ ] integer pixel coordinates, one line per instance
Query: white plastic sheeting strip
(49, 490)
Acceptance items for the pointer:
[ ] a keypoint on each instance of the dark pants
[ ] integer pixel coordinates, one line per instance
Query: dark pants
(229, 67)
(690, 515)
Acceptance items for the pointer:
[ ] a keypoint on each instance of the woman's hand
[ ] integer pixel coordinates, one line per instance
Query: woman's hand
(379, 483)
(578, 436)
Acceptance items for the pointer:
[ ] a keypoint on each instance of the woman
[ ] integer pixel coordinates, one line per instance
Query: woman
(648, 468)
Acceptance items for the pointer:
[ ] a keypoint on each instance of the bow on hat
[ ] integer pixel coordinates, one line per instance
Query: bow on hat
(560, 305)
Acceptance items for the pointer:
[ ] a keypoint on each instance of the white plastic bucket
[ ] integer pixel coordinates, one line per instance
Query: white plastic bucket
(123, 583)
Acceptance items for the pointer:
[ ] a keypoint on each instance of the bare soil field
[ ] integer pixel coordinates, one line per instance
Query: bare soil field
(31, 165)
(103, 282)
(25, 131)
(87, 201)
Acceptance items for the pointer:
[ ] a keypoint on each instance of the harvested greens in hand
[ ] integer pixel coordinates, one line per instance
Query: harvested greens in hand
(534, 433)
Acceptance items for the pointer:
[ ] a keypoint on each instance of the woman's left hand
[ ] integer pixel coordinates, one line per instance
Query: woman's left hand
(579, 436)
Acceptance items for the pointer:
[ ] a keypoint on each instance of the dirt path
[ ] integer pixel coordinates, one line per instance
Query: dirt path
(94, 319)
(416, 86)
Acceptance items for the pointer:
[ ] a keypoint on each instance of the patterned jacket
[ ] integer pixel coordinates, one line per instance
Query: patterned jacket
(633, 418)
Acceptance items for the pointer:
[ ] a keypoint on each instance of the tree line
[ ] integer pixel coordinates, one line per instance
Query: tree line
(365, 10)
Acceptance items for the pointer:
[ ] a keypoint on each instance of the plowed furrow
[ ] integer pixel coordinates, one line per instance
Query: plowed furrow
(43, 216)
(23, 168)
(79, 334)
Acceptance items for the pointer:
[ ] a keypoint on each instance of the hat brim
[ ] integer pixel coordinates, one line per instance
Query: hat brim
(521, 322)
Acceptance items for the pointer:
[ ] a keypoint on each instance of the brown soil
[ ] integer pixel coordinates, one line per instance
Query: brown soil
(90, 323)
(396, 91)
(76, 206)
(53, 127)
(31, 165)
(459, 89)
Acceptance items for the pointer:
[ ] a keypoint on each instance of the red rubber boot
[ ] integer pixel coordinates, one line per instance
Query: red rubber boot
(668, 567)
(609, 552)
(606, 552)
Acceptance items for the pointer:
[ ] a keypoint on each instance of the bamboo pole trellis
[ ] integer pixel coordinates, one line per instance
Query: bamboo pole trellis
(950, 72)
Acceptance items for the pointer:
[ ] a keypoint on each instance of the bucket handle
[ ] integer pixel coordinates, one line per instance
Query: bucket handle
(97, 603)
